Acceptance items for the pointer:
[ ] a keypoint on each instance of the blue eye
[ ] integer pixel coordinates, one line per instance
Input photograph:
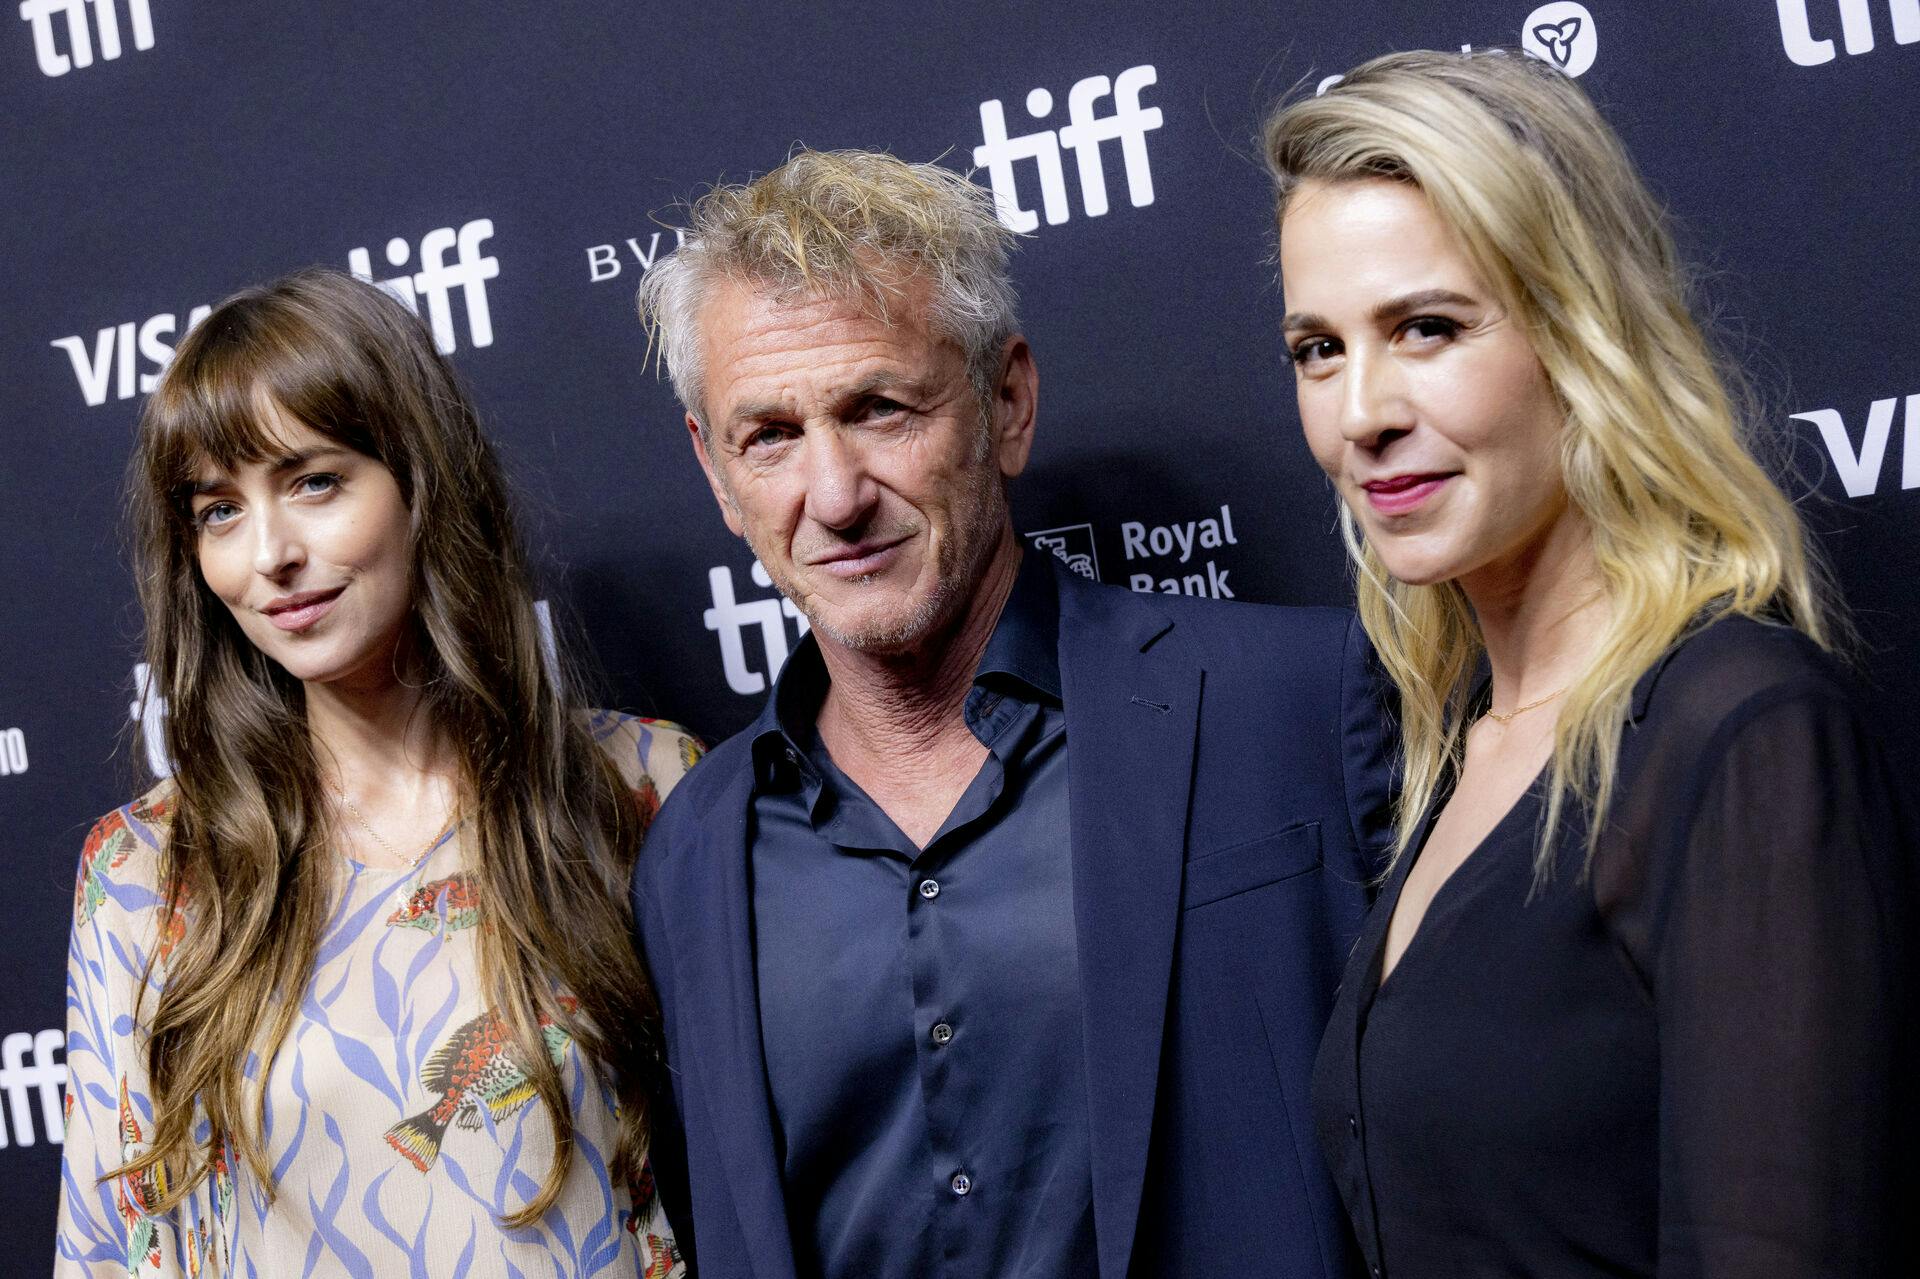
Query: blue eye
(317, 483)
(214, 514)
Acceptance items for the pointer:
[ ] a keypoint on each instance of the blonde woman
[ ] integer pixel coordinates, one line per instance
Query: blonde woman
(353, 993)
(1632, 997)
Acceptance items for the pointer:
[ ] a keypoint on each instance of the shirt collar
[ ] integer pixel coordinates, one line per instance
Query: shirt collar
(1024, 648)
(1026, 641)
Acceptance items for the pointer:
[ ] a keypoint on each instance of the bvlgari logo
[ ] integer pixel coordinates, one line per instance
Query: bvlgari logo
(1562, 34)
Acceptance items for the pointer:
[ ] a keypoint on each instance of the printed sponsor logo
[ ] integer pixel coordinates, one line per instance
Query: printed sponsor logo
(1127, 123)
(111, 364)
(436, 279)
(1180, 543)
(13, 752)
(117, 349)
(39, 15)
(732, 619)
(1073, 543)
(21, 1080)
(605, 261)
(1861, 470)
(1856, 27)
(1562, 34)
(149, 710)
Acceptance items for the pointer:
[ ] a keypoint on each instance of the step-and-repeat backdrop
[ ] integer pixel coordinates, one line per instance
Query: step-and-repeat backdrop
(512, 170)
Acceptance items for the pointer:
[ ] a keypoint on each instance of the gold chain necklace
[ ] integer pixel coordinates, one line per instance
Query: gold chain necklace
(1507, 718)
(396, 854)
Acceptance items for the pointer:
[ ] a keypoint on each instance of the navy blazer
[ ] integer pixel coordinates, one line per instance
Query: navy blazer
(1227, 775)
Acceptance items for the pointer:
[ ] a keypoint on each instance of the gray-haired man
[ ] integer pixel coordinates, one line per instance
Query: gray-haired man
(994, 947)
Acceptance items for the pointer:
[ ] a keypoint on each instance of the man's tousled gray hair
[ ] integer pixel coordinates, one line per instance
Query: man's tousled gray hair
(849, 224)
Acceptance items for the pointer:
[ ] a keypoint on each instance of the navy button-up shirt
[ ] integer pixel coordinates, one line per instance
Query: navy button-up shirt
(921, 1008)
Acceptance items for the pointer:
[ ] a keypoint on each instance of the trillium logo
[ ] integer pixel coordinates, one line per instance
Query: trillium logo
(1563, 35)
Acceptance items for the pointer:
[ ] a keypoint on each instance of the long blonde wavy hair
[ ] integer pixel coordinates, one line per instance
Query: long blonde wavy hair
(1685, 524)
(247, 866)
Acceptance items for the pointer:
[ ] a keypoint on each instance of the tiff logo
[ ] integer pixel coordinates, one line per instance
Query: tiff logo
(39, 15)
(436, 279)
(1128, 123)
(13, 752)
(730, 619)
(45, 1076)
(1856, 28)
(1860, 471)
(111, 363)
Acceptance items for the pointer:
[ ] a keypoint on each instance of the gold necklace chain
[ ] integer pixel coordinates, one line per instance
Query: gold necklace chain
(380, 839)
(1498, 718)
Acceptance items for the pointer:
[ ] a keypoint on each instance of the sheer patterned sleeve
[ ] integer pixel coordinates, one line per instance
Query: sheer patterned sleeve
(104, 1228)
(1780, 979)
(651, 754)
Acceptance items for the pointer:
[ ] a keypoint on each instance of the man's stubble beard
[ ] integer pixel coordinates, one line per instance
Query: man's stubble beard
(976, 531)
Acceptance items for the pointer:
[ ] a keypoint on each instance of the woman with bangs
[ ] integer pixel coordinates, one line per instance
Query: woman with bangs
(353, 991)
(1635, 998)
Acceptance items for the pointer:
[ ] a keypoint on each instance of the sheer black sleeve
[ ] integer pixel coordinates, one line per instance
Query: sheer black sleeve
(1779, 971)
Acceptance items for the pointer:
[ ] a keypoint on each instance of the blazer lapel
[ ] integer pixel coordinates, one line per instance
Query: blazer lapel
(713, 953)
(1132, 710)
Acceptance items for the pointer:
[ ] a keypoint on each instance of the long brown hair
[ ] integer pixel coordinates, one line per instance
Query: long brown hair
(553, 830)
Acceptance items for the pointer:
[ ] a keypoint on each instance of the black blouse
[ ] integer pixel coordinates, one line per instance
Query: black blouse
(1686, 1061)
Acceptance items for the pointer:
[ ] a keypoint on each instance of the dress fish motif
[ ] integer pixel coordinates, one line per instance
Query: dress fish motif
(449, 902)
(477, 1069)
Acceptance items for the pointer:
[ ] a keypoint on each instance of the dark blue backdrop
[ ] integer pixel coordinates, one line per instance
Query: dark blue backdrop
(512, 160)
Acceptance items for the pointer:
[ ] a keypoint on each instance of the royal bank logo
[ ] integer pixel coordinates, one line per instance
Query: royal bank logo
(734, 620)
(1182, 569)
(13, 752)
(1861, 470)
(23, 1080)
(1563, 35)
(1797, 22)
(1073, 544)
(1128, 123)
(40, 14)
(127, 359)
(606, 262)
(434, 283)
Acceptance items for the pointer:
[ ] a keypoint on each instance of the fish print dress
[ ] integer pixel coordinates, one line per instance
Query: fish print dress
(399, 1123)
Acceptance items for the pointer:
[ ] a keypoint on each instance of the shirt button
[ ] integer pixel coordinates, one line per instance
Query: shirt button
(930, 889)
(1353, 1125)
(961, 1183)
(942, 1033)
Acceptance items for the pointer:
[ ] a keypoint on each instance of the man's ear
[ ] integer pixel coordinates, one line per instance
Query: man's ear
(728, 511)
(1016, 395)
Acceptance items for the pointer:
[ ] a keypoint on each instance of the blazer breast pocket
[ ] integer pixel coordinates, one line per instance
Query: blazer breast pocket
(1228, 872)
